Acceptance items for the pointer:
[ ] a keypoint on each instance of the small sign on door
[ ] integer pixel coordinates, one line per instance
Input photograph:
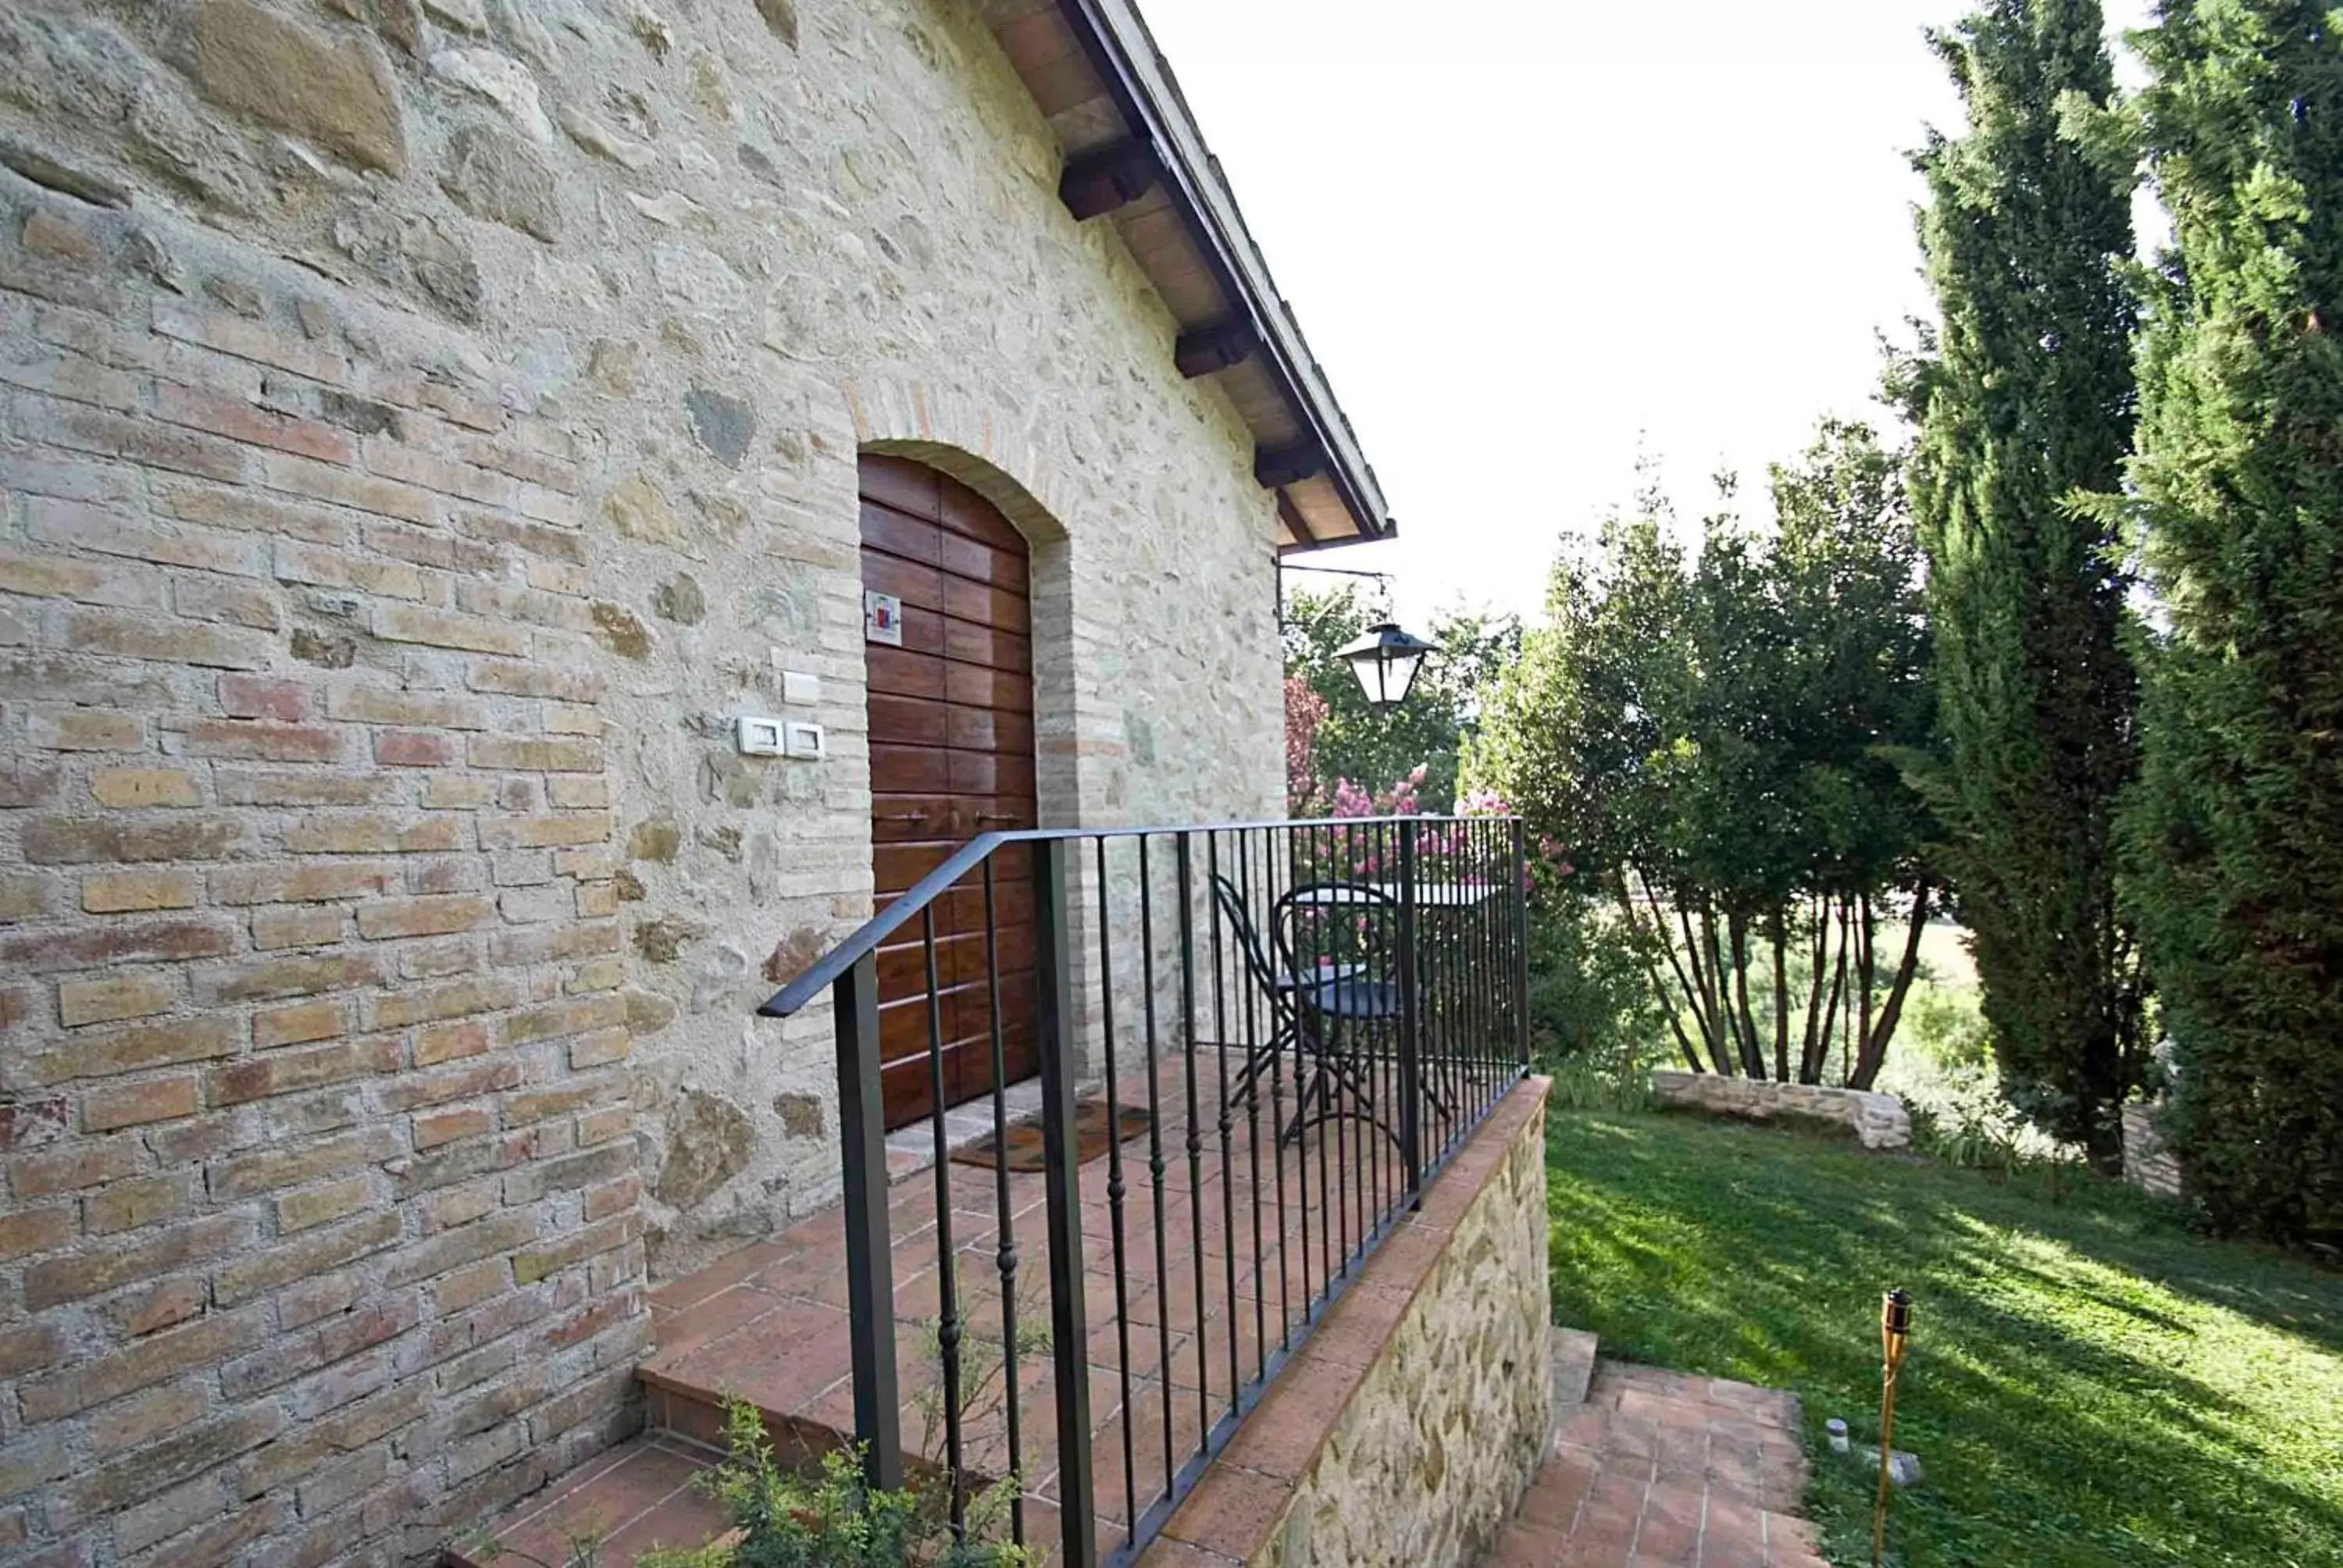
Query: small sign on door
(882, 618)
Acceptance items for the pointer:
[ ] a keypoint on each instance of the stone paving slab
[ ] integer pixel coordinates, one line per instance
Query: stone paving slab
(1665, 1469)
(1574, 1367)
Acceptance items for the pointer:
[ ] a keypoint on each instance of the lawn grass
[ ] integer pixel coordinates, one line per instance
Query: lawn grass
(2089, 1384)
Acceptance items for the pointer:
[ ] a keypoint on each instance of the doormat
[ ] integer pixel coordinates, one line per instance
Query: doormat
(1024, 1140)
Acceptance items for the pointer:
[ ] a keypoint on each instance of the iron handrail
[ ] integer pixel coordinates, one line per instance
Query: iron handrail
(826, 970)
(1438, 1055)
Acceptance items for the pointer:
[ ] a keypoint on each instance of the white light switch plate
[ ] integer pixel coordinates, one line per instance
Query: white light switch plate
(800, 690)
(805, 741)
(759, 737)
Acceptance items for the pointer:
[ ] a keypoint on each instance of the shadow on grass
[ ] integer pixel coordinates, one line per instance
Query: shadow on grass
(2089, 1384)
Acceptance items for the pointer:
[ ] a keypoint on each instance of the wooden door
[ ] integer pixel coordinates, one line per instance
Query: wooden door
(951, 756)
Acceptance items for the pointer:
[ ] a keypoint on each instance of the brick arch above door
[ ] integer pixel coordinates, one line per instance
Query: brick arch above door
(990, 449)
(986, 450)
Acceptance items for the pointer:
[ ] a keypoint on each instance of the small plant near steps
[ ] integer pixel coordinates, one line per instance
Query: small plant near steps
(829, 1519)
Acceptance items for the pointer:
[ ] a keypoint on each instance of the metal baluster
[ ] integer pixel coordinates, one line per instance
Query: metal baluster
(1489, 909)
(1115, 1189)
(1005, 1256)
(1155, 1155)
(1460, 994)
(948, 1326)
(1252, 1136)
(1228, 1157)
(1411, 1023)
(1327, 1187)
(1195, 1117)
(1478, 933)
(1451, 1046)
(1499, 912)
(1062, 1164)
(1286, 1253)
(1468, 933)
(870, 1259)
(1375, 1157)
(1492, 949)
(1355, 1151)
(1520, 966)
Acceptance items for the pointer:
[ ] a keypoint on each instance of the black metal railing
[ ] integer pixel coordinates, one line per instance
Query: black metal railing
(1307, 1017)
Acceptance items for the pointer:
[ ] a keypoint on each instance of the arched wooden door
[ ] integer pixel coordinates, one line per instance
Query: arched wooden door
(951, 756)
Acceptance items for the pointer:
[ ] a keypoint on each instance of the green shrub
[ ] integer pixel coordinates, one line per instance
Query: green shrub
(834, 1519)
(1595, 1025)
(1948, 1029)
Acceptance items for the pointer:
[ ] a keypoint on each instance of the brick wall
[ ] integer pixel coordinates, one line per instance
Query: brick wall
(322, 1189)
(422, 429)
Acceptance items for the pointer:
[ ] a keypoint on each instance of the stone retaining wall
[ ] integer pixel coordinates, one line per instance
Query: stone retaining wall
(1879, 1121)
(2149, 1163)
(1416, 1415)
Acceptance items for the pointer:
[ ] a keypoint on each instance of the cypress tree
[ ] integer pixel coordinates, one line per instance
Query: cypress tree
(2239, 480)
(2027, 399)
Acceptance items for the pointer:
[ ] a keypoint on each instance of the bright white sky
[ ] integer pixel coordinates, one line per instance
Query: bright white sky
(1531, 238)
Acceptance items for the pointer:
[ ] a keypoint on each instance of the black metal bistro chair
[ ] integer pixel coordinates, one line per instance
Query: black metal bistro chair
(1320, 1012)
(1345, 977)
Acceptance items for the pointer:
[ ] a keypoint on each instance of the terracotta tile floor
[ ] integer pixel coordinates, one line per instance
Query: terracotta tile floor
(770, 1324)
(1659, 1468)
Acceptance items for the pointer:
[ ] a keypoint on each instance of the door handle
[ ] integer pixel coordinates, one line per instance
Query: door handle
(900, 817)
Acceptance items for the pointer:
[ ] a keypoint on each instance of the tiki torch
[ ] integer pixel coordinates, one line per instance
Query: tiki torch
(1894, 1329)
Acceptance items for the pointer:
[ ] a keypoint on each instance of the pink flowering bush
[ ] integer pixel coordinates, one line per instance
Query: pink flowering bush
(1305, 711)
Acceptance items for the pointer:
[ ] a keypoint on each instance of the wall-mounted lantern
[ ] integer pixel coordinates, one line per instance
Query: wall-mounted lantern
(1386, 660)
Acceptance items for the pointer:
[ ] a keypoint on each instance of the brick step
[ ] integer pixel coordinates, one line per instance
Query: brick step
(1652, 1466)
(691, 1411)
(766, 1323)
(638, 1496)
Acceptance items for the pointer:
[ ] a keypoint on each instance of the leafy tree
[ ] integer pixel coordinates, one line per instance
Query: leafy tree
(1861, 685)
(2028, 398)
(1710, 737)
(2238, 886)
(1351, 740)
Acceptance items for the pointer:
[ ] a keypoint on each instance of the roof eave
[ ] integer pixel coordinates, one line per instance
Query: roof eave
(1123, 54)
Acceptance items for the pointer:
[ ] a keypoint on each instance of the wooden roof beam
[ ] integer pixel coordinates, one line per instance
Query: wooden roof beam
(1113, 175)
(1291, 515)
(1202, 350)
(1274, 467)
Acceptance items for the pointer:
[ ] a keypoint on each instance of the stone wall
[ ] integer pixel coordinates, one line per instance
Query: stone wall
(1412, 1419)
(1877, 1120)
(1442, 1436)
(420, 431)
(2149, 1163)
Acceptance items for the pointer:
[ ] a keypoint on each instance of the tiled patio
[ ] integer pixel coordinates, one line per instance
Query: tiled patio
(770, 1324)
(1663, 1469)
(1646, 1468)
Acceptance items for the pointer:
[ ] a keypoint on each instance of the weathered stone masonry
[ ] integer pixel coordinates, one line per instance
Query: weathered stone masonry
(420, 430)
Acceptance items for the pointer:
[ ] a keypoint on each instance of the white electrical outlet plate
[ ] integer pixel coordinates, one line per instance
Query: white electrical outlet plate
(800, 690)
(805, 741)
(759, 737)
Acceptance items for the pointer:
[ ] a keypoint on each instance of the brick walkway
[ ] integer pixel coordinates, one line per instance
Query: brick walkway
(1659, 1468)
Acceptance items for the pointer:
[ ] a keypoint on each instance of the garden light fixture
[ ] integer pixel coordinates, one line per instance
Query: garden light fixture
(1386, 660)
(1895, 1331)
